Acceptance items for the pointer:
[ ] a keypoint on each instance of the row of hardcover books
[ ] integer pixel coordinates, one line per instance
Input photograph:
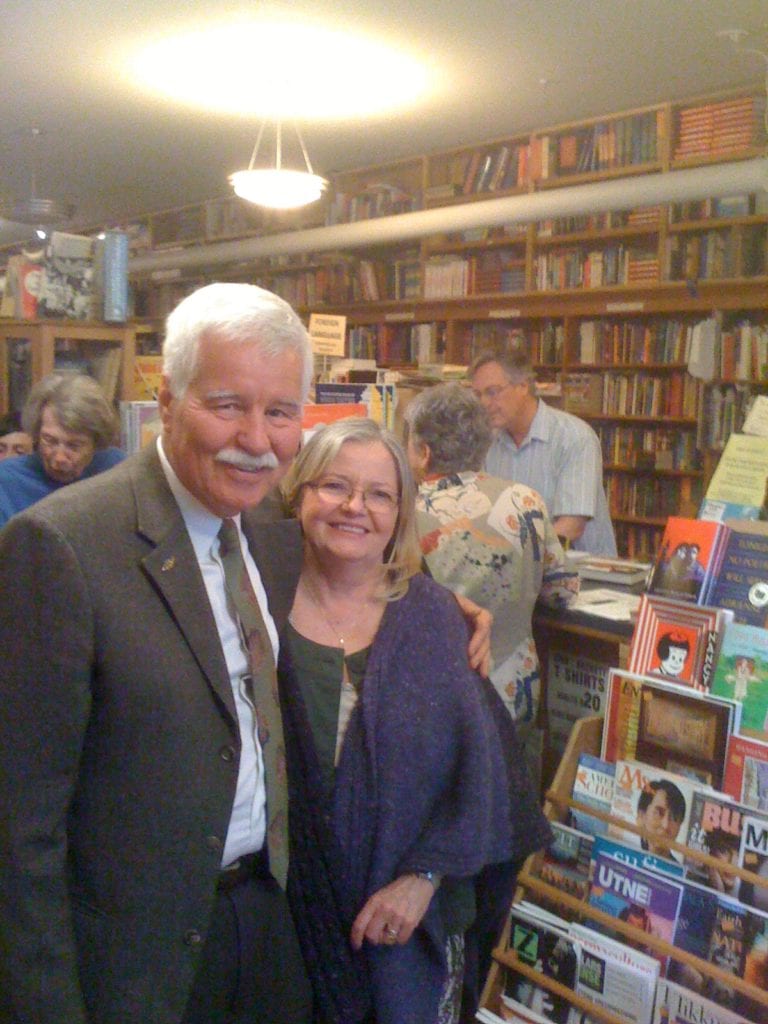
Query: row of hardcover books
(717, 253)
(578, 268)
(640, 394)
(652, 448)
(722, 127)
(645, 216)
(611, 342)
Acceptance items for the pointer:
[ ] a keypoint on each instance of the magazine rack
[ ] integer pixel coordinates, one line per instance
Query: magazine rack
(585, 738)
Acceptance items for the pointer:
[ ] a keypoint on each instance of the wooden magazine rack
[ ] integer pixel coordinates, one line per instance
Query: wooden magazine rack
(585, 738)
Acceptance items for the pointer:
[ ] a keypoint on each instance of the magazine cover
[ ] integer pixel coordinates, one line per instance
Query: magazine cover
(640, 898)
(548, 951)
(565, 862)
(637, 858)
(715, 828)
(741, 673)
(715, 929)
(688, 549)
(746, 771)
(592, 786)
(677, 641)
(753, 856)
(668, 726)
(616, 986)
(655, 800)
(678, 1005)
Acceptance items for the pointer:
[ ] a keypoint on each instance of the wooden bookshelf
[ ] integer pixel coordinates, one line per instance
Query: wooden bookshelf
(447, 297)
(31, 349)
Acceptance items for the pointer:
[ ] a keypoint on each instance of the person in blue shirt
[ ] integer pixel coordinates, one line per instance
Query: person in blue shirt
(72, 426)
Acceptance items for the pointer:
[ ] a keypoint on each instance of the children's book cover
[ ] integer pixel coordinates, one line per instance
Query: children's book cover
(741, 673)
(688, 549)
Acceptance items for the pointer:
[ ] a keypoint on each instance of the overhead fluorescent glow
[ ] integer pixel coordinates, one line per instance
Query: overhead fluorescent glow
(288, 70)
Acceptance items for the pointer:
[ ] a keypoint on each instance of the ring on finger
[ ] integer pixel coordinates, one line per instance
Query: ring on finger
(391, 932)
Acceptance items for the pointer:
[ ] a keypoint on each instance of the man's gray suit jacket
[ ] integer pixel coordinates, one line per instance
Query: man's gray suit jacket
(119, 748)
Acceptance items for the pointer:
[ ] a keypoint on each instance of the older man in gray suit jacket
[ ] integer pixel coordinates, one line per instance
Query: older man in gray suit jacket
(135, 887)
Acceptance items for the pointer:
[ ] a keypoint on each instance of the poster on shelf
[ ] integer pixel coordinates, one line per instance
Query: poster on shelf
(576, 687)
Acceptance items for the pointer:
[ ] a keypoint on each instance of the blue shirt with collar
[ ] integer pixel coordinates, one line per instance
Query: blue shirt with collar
(561, 458)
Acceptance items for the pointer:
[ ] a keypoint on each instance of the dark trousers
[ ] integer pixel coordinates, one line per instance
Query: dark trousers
(251, 970)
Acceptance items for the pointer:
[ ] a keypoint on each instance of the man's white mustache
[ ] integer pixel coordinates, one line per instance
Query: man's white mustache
(248, 462)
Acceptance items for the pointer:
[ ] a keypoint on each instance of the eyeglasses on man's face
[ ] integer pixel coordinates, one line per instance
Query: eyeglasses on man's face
(334, 491)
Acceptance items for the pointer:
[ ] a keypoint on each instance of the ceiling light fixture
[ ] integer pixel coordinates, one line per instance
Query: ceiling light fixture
(278, 187)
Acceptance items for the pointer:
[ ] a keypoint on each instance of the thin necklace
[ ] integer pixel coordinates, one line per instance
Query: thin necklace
(333, 624)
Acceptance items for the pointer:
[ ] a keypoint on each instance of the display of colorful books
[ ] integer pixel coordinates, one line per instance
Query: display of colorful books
(656, 882)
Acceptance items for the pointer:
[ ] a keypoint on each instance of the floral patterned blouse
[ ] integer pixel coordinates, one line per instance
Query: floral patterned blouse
(493, 541)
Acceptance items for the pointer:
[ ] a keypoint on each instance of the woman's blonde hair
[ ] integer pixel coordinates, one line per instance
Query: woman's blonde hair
(402, 555)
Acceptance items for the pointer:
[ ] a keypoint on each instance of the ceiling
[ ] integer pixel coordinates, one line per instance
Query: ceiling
(502, 67)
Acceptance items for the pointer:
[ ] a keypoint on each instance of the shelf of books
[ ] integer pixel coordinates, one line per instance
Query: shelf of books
(31, 349)
(651, 903)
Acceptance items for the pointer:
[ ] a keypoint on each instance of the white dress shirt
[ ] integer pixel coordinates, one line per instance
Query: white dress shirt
(247, 826)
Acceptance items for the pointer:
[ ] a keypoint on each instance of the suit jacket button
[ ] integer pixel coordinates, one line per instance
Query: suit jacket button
(192, 937)
(227, 753)
(214, 844)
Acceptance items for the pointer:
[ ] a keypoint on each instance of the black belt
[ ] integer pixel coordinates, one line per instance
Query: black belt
(250, 865)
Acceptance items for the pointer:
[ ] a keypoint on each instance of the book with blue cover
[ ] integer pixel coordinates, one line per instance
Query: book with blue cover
(740, 582)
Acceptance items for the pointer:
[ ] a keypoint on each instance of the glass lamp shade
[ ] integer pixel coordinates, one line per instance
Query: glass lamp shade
(278, 188)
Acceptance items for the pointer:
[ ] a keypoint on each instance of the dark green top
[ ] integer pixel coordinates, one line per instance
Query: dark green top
(319, 671)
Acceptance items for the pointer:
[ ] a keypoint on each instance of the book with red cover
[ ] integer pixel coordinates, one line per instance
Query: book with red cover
(690, 548)
(746, 771)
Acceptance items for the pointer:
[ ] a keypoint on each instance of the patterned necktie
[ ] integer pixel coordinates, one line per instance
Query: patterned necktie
(264, 681)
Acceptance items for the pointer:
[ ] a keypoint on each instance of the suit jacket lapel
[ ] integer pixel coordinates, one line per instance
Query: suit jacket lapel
(173, 568)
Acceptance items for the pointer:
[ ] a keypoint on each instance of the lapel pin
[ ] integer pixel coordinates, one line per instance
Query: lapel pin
(167, 564)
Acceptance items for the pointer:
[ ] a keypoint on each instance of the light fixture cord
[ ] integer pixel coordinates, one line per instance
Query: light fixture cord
(279, 146)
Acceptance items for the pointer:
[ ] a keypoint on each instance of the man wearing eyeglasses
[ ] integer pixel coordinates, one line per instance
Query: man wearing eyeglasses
(72, 426)
(552, 451)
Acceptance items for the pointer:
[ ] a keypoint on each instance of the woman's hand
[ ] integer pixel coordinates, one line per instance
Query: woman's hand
(391, 914)
(479, 621)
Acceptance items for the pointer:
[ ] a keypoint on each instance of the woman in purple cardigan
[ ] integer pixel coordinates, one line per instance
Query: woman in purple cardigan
(406, 781)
